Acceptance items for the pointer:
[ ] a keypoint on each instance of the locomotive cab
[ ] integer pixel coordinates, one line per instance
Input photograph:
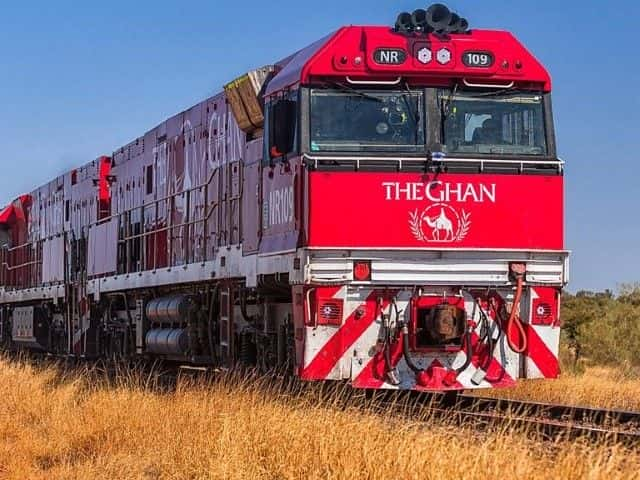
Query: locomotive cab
(417, 155)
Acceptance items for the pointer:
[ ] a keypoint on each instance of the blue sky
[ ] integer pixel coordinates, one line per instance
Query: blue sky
(79, 79)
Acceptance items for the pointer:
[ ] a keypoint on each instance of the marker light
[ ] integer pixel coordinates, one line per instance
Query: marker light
(424, 55)
(443, 56)
(362, 271)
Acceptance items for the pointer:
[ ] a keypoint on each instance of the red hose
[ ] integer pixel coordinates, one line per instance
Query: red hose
(514, 320)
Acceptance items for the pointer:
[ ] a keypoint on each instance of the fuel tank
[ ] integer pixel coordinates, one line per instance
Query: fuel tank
(172, 309)
(167, 341)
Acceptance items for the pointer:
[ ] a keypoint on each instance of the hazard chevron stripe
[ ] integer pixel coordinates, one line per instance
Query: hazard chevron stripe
(538, 351)
(497, 376)
(333, 350)
(372, 376)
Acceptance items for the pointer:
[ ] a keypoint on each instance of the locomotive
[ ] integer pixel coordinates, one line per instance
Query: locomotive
(383, 207)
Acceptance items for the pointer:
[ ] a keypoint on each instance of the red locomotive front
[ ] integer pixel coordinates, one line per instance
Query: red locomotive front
(383, 207)
(432, 210)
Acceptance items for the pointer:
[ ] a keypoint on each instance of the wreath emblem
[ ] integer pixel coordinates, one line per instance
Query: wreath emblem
(440, 223)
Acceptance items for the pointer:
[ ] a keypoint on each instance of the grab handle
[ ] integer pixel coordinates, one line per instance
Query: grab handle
(487, 85)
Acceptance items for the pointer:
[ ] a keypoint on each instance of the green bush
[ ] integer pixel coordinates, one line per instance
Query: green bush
(602, 328)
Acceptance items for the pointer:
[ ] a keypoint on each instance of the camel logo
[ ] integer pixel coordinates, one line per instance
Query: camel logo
(440, 223)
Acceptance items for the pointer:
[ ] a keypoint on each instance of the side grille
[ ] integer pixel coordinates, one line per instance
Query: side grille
(330, 311)
(542, 313)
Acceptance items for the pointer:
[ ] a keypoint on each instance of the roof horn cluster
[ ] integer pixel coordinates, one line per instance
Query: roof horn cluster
(435, 19)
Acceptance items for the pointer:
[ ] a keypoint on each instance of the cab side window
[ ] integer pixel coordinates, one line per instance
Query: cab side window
(5, 237)
(281, 126)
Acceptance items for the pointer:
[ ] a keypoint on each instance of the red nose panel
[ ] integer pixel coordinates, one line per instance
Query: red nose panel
(405, 210)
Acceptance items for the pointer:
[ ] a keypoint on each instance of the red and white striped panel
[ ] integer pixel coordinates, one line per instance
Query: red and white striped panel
(487, 369)
(353, 350)
(543, 333)
(328, 348)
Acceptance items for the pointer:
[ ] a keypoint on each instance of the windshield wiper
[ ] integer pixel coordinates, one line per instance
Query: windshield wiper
(492, 93)
(407, 99)
(414, 115)
(360, 94)
(445, 105)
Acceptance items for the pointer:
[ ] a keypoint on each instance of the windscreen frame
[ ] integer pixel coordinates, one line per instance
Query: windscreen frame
(433, 129)
(417, 149)
(437, 140)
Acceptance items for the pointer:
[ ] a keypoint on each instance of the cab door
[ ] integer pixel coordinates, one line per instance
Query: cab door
(280, 172)
(252, 198)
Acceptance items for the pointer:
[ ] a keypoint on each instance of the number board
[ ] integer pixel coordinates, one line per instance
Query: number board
(389, 56)
(478, 59)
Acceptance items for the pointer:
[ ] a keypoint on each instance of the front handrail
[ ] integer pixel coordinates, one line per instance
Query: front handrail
(10, 268)
(24, 245)
(157, 201)
(391, 83)
(504, 86)
(214, 207)
(20, 266)
(482, 162)
(153, 231)
(148, 231)
(124, 212)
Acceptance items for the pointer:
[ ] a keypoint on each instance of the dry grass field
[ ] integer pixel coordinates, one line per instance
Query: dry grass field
(74, 426)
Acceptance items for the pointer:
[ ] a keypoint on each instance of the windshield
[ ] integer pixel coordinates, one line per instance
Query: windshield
(347, 120)
(510, 123)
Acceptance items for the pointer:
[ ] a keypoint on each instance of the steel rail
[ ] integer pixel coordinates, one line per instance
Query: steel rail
(548, 429)
(556, 411)
(550, 420)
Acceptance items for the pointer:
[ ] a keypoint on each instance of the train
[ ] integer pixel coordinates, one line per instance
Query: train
(383, 208)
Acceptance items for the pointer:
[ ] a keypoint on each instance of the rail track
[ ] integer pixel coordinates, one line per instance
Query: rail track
(550, 421)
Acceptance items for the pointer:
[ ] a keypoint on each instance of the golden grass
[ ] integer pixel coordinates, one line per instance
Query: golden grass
(52, 427)
(598, 387)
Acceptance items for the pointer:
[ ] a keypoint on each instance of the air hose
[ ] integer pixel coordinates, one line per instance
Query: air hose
(403, 327)
(405, 350)
(488, 336)
(515, 321)
(418, 371)
(391, 373)
(469, 350)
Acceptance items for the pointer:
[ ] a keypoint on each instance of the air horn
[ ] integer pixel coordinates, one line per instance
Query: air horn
(404, 24)
(436, 19)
